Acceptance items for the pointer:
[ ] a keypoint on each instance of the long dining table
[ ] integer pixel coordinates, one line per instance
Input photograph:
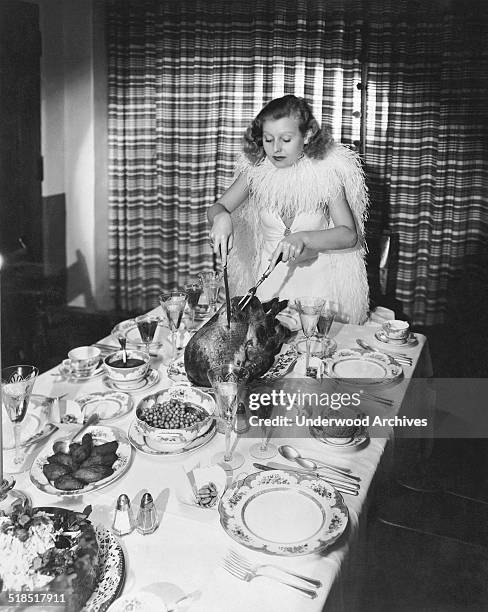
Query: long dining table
(184, 555)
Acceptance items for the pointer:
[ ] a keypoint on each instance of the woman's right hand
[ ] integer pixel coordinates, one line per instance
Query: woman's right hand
(222, 235)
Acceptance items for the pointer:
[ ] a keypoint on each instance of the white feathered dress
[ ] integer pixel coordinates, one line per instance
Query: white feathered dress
(302, 190)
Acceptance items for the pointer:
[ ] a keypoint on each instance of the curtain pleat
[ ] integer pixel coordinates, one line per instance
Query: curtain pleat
(426, 142)
(187, 76)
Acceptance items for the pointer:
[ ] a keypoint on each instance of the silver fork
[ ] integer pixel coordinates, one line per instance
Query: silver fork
(240, 560)
(400, 357)
(247, 575)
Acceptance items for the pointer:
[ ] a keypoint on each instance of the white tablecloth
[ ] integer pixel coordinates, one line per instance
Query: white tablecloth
(185, 553)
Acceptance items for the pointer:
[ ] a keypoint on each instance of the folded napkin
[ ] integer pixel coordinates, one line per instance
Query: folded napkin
(199, 477)
(290, 318)
(379, 315)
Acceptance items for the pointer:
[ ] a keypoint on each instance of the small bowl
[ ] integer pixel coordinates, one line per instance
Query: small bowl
(175, 440)
(128, 375)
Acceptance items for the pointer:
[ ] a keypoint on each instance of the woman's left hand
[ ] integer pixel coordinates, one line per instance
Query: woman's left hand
(292, 247)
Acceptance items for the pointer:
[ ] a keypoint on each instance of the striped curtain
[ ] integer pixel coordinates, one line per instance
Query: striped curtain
(185, 79)
(187, 76)
(426, 142)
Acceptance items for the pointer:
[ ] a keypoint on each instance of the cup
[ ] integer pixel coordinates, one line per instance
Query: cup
(132, 371)
(83, 361)
(396, 331)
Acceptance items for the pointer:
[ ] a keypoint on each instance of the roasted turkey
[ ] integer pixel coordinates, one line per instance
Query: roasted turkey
(254, 338)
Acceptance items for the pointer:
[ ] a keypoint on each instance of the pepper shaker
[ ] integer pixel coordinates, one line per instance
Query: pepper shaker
(147, 518)
(124, 522)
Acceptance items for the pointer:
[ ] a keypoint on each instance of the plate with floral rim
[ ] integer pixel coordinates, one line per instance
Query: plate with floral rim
(109, 405)
(363, 367)
(100, 435)
(260, 512)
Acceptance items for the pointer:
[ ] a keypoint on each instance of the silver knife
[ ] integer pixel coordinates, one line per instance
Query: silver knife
(48, 429)
(227, 295)
(339, 485)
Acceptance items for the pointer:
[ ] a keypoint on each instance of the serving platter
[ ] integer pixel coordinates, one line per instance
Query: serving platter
(109, 405)
(260, 512)
(283, 363)
(112, 572)
(100, 435)
(111, 562)
(128, 329)
(367, 367)
(136, 438)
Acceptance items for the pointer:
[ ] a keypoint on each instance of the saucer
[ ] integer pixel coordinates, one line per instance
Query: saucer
(137, 441)
(410, 342)
(151, 378)
(360, 439)
(69, 377)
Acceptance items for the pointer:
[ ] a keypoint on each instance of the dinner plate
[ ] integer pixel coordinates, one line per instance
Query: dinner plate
(383, 338)
(31, 425)
(151, 378)
(283, 513)
(128, 329)
(111, 565)
(137, 441)
(368, 367)
(100, 434)
(108, 405)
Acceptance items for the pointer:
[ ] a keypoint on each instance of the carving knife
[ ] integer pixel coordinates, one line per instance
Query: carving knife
(227, 295)
(341, 485)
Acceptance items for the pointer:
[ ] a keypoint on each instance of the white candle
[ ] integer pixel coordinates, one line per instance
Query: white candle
(1, 398)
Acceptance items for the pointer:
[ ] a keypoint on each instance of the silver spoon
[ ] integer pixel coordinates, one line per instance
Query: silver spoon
(309, 464)
(123, 344)
(292, 454)
(62, 446)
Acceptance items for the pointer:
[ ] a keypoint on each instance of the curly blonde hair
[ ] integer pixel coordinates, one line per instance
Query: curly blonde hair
(288, 106)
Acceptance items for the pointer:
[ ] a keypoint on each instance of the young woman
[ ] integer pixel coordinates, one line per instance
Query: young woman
(297, 194)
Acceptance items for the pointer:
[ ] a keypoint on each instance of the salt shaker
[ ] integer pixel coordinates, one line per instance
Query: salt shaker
(147, 518)
(123, 518)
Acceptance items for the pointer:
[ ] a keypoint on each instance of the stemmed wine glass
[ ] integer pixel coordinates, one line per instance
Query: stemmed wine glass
(228, 382)
(147, 325)
(193, 293)
(327, 316)
(309, 309)
(17, 384)
(173, 304)
(264, 449)
(211, 283)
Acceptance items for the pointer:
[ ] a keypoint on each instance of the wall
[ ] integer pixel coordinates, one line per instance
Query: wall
(74, 139)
